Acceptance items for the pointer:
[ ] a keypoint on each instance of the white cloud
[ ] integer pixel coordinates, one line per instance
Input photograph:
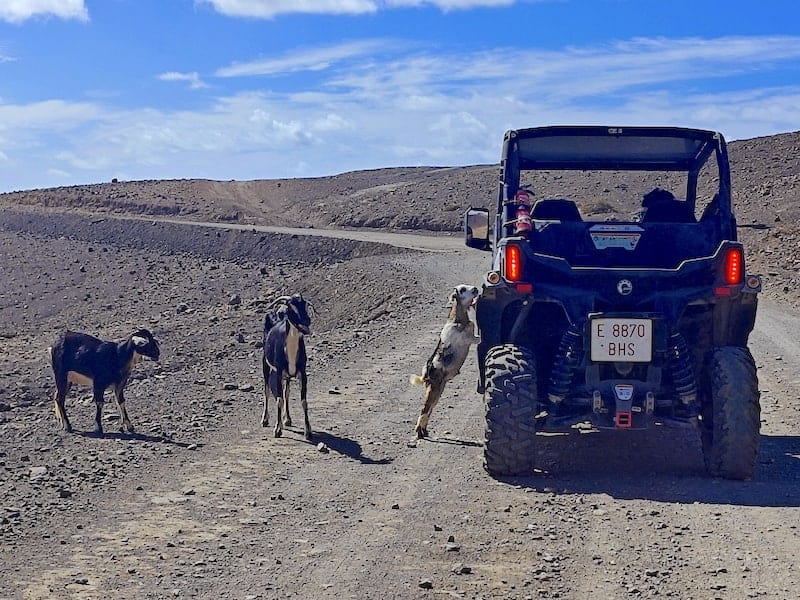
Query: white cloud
(447, 5)
(308, 59)
(377, 104)
(267, 9)
(159, 140)
(193, 79)
(17, 11)
(57, 115)
(567, 75)
(331, 122)
(743, 114)
(59, 173)
(4, 56)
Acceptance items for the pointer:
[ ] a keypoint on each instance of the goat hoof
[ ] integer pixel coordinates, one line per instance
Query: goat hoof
(287, 422)
(278, 434)
(421, 433)
(309, 437)
(264, 422)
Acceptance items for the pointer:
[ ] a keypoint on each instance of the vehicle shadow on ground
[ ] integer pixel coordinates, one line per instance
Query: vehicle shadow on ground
(665, 465)
(347, 447)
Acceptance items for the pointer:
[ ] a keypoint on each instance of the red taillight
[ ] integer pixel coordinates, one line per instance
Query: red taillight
(513, 262)
(733, 266)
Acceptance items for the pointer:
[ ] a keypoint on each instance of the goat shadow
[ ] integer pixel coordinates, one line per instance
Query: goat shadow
(451, 441)
(135, 436)
(347, 447)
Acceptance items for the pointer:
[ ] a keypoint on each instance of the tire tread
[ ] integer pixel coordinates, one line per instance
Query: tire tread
(510, 410)
(730, 442)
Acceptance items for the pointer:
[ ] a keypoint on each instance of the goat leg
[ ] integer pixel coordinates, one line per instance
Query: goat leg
(98, 416)
(265, 368)
(304, 404)
(123, 414)
(278, 423)
(265, 416)
(287, 419)
(275, 388)
(433, 391)
(61, 411)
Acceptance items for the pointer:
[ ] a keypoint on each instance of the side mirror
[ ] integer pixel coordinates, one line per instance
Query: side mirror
(476, 228)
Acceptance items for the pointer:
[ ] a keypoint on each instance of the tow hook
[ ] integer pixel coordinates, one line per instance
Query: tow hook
(623, 418)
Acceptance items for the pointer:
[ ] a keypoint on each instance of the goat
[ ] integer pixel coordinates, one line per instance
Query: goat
(83, 359)
(285, 325)
(445, 363)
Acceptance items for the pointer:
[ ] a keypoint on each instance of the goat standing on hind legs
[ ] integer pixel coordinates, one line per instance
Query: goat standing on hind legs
(285, 324)
(456, 337)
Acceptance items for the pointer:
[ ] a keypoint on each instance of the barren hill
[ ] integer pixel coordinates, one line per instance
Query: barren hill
(765, 173)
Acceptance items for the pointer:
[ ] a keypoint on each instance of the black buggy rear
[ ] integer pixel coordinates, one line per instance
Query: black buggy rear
(617, 294)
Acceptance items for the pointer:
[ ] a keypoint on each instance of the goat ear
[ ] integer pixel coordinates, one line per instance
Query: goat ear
(139, 341)
(453, 298)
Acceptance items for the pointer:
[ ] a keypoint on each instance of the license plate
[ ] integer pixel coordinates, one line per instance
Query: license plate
(622, 340)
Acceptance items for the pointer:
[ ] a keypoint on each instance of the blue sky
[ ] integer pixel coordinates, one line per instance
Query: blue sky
(253, 89)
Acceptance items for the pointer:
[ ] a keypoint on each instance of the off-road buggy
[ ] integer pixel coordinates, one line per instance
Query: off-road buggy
(617, 296)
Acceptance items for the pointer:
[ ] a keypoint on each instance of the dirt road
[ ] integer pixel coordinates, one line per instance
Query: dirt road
(433, 243)
(204, 503)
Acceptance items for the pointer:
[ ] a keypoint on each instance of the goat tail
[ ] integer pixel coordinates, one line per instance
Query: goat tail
(416, 380)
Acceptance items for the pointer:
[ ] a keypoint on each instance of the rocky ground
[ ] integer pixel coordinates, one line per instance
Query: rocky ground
(202, 502)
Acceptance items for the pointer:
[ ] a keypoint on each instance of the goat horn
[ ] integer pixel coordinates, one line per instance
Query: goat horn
(279, 300)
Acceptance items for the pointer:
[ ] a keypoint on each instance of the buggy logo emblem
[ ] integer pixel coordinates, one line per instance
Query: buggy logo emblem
(624, 287)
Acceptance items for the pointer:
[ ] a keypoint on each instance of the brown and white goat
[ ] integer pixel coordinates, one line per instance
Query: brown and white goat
(86, 360)
(457, 335)
(285, 325)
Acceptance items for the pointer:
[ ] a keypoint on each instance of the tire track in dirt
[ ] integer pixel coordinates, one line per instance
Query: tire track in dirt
(412, 241)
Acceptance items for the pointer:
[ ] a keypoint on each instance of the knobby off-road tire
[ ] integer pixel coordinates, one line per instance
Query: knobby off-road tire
(510, 410)
(731, 415)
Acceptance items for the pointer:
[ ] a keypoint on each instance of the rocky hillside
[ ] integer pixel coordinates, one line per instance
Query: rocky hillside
(766, 183)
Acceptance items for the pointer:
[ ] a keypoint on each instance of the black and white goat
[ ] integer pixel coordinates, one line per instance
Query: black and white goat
(285, 325)
(455, 339)
(85, 360)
